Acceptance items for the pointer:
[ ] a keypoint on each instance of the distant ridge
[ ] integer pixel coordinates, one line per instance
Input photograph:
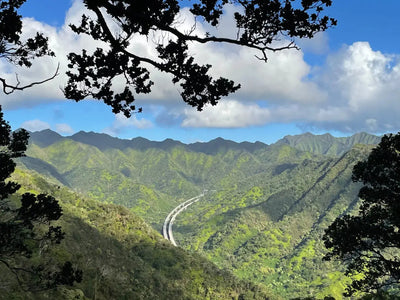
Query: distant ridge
(326, 144)
(222, 145)
(104, 141)
(100, 140)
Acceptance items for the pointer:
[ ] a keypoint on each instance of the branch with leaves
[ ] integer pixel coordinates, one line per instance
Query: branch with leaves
(259, 24)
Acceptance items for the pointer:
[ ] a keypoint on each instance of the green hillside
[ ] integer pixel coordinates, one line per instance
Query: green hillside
(122, 257)
(268, 228)
(148, 177)
(263, 215)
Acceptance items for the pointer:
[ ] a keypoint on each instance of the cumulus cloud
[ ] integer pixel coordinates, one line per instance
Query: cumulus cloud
(283, 78)
(365, 85)
(360, 93)
(35, 125)
(64, 128)
(235, 114)
(317, 45)
(227, 114)
(62, 41)
(122, 123)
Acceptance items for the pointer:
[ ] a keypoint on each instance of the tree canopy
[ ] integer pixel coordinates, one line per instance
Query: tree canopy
(370, 242)
(117, 23)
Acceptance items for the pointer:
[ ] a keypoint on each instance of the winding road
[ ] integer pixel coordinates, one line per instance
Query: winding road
(169, 220)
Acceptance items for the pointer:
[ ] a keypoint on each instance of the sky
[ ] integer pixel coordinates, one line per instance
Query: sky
(345, 80)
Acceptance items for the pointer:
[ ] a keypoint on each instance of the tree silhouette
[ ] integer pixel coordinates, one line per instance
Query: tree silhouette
(117, 23)
(369, 242)
(25, 223)
(14, 50)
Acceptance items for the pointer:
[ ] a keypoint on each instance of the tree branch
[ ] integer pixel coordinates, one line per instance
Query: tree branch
(9, 89)
(209, 39)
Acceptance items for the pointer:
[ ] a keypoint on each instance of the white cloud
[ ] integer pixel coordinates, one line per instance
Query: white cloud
(64, 128)
(319, 44)
(283, 78)
(235, 114)
(35, 125)
(38, 125)
(361, 87)
(122, 123)
(365, 85)
(227, 114)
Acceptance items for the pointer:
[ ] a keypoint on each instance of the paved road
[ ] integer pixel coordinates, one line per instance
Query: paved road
(169, 220)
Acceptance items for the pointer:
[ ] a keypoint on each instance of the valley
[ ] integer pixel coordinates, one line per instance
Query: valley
(265, 212)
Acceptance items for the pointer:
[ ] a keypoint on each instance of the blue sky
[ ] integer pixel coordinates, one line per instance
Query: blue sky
(344, 81)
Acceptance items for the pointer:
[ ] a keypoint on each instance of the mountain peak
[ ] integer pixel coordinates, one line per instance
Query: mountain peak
(44, 138)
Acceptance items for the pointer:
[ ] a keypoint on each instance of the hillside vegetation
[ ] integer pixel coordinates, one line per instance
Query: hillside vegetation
(268, 228)
(122, 257)
(266, 206)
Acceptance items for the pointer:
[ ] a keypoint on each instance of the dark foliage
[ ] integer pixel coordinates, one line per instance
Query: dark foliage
(259, 23)
(15, 51)
(25, 224)
(370, 241)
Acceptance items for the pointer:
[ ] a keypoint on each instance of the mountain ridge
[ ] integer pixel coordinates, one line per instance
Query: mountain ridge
(324, 144)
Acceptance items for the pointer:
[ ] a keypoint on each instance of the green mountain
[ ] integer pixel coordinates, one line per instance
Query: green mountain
(148, 177)
(326, 144)
(265, 211)
(121, 256)
(268, 228)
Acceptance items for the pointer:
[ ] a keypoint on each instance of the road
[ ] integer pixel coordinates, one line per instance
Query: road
(169, 220)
